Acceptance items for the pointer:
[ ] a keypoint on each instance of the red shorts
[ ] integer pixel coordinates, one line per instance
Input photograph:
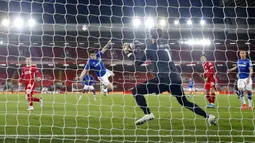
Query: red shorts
(209, 85)
(30, 86)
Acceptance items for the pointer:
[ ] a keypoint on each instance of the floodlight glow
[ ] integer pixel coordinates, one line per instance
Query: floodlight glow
(176, 22)
(162, 22)
(189, 22)
(149, 23)
(136, 22)
(203, 42)
(202, 22)
(5, 22)
(18, 22)
(191, 42)
(31, 22)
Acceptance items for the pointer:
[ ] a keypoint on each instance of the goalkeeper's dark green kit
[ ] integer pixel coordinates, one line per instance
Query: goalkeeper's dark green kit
(167, 78)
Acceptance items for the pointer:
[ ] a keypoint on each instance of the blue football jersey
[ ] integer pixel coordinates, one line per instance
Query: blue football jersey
(96, 65)
(88, 80)
(243, 66)
(191, 83)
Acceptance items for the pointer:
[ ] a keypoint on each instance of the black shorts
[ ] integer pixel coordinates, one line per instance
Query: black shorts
(171, 84)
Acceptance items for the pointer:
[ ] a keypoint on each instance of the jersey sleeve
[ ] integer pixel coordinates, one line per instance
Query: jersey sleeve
(21, 76)
(250, 64)
(87, 67)
(37, 72)
(99, 54)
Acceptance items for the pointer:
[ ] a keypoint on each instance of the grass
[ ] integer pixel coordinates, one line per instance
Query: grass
(111, 119)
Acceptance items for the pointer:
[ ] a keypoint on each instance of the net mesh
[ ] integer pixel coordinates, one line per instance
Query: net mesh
(57, 35)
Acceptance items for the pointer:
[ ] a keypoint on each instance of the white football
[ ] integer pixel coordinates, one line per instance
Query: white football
(84, 27)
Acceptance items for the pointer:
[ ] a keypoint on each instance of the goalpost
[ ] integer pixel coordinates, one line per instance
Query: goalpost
(57, 34)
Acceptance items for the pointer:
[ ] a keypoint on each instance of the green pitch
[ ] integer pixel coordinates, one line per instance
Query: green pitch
(111, 119)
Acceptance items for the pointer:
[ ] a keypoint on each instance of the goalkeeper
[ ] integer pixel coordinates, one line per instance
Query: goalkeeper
(167, 77)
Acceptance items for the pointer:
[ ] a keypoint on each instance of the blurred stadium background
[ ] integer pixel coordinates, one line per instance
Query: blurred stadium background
(58, 33)
(57, 36)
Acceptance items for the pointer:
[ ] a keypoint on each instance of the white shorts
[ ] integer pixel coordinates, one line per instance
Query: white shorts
(242, 83)
(191, 89)
(104, 79)
(88, 87)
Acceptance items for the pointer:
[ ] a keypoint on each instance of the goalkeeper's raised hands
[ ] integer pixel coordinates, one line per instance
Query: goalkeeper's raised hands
(127, 49)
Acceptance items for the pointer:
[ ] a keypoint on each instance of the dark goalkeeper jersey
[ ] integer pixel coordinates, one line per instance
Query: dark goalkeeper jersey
(163, 66)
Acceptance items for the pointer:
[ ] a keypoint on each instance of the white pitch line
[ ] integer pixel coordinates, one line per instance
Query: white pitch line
(131, 136)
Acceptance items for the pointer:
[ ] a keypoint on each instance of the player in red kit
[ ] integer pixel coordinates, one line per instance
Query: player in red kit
(28, 77)
(210, 81)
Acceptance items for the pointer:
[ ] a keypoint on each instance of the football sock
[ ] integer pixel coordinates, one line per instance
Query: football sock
(191, 106)
(250, 98)
(242, 97)
(141, 101)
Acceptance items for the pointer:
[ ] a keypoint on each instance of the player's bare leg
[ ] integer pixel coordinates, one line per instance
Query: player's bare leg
(189, 94)
(83, 92)
(94, 94)
(108, 88)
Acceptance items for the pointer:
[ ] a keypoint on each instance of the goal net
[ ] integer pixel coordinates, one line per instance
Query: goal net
(57, 35)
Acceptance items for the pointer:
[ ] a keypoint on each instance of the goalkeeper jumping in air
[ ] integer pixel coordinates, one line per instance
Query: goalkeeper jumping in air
(28, 76)
(167, 77)
(96, 64)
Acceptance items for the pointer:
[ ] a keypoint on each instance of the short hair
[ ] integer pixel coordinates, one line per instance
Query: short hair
(156, 33)
(204, 55)
(241, 50)
(92, 51)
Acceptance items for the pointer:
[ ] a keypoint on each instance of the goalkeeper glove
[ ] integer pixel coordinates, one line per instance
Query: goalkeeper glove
(127, 49)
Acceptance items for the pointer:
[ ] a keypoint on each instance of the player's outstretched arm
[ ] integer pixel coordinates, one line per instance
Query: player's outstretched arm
(232, 69)
(38, 74)
(251, 72)
(21, 77)
(106, 46)
(83, 73)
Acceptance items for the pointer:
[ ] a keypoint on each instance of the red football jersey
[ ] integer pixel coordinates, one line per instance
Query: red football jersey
(209, 72)
(28, 74)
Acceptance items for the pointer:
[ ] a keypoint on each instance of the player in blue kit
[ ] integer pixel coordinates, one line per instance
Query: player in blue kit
(244, 83)
(191, 87)
(96, 64)
(88, 82)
